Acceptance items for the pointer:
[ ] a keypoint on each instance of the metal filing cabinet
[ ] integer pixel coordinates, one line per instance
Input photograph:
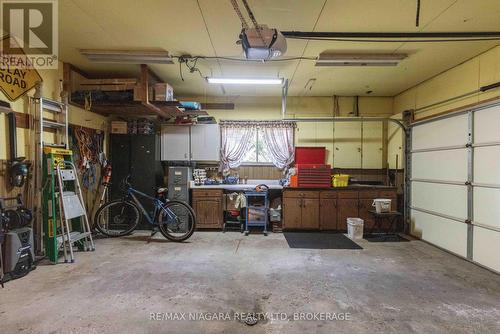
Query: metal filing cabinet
(178, 183)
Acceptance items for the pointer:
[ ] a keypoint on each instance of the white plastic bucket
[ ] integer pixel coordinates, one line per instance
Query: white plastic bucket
(382, 205)
(355, 228)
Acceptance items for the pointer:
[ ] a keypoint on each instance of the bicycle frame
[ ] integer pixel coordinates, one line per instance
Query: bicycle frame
(131, 192)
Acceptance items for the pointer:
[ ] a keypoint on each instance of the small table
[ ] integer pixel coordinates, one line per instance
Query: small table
(391, 217)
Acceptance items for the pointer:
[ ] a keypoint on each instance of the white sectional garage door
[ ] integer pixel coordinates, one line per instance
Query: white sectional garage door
(455, 183)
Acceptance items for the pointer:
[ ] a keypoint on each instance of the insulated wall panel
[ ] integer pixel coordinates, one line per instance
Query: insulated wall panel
(450, 165)
(445, 233)
(447, 199)
(487, 164)
(487, 206)
(487, 248)
(486, 125)
(445, 132)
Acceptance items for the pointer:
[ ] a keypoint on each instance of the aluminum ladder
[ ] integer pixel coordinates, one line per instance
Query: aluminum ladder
(71, 206)
(46, 114)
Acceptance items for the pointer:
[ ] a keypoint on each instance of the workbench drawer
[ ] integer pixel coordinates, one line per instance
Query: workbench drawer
(207, 193)
(328, 194)
(301, 194)
(368, 194)
(387, 194)
(348, 194)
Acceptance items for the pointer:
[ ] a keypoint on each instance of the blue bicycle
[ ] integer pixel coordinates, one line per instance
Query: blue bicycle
(175, 219)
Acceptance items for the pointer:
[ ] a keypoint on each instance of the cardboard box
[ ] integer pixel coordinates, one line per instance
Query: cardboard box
(119, 127)
(138, 93)
(163, 92)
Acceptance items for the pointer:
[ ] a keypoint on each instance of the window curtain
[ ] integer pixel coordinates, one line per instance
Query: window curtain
(236, 140)
(279, 137)
(237, 136)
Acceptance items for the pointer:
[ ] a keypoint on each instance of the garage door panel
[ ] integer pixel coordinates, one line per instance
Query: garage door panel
(487, 247)
(487, 164)
(487, 206)
(450, 165)
(446, 132)
(486, 125)
(445, 233)
(442, 198)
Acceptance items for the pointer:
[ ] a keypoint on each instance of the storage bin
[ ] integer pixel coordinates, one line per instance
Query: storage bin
(257, 214)
(382, 205)
(340, 180)
(275, 215)
(119, 127)
(355, 228)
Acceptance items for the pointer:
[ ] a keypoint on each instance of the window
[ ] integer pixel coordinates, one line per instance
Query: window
(258, 151)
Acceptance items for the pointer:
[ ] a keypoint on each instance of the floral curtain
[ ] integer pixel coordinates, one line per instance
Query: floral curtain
(279, 140)
(237, 136)
(236, 140)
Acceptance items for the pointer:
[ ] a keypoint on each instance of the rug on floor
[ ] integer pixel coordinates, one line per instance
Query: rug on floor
(314, 240)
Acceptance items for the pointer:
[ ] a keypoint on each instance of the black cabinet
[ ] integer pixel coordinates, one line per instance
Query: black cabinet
(135, 155)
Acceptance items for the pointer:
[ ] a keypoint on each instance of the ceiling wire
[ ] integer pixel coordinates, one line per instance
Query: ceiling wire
(307, 43)
(209, 36)
(428, 23)
(417, 19)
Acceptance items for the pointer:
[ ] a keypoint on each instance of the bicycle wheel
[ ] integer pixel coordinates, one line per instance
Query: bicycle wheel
(176, 221)
(117, 218)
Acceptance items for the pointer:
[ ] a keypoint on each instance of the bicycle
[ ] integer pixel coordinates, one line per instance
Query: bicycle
(175, 219)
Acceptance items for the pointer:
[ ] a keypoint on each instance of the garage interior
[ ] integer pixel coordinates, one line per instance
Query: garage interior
(250, 166)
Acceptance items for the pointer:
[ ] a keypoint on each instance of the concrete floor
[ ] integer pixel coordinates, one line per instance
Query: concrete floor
(407, 287)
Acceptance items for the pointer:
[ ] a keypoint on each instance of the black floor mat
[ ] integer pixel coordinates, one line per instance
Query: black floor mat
(319, 241)
(384, 238)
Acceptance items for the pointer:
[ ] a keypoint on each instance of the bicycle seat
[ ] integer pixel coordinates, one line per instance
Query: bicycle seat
(161, 190)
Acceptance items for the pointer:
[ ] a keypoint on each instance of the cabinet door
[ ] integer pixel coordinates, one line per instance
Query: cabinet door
(372, 145)
(292, 213)
(310, 214)
(120, 157)
(205, 142)
(347, 208)
(347, 142)
(208, 212)
(175, 143)
(328, 214)
(365, 205)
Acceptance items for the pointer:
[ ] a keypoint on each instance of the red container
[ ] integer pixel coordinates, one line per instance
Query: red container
(310, 155)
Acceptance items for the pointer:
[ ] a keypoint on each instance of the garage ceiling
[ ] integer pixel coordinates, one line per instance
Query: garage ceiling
(211, 27)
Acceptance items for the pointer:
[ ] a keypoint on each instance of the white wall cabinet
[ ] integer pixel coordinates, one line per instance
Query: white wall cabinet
(205, 142)
(190, 143)
(372, 145)
(347, 141)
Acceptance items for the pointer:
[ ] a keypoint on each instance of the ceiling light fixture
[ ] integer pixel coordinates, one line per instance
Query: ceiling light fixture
(245, 81)
(128, 56)
(374, 59)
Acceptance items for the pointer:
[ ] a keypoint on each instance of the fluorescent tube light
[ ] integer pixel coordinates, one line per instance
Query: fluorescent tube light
(127, 56)
(245, 81)
(362, 59)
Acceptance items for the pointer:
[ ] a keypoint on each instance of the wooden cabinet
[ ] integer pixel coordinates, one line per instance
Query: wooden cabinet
(207, 205)
(310, 214)
(301, 210)
(329, 209)
(292, 213)
(347, 208)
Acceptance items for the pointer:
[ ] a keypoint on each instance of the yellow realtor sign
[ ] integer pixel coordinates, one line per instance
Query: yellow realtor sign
(16, 80)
